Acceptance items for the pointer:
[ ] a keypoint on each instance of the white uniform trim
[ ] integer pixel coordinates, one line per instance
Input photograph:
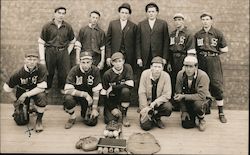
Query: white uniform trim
(68, 86)
(41, 41)
(129, 83)
(103, 92)
(42, 85)
(7, 88)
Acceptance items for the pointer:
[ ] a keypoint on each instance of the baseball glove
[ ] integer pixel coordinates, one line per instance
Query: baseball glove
(87, 144)
(20, 114)
(142, 143)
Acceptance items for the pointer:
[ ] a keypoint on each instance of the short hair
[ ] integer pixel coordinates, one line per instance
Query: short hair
(96, 12)
(59, 8)
(206, 14)
(151, 5)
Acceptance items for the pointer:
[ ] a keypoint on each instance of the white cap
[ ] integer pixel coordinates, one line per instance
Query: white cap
(190, 60)
(179, 15)
(191, 51)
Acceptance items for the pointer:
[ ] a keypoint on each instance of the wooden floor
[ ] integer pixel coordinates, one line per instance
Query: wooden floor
(229, 138)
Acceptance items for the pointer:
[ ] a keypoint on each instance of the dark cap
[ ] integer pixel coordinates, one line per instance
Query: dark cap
(157, 59)
(59, 8)
(96, 12)
(149, 5)
(117, 55)
(31, 54)
(126, 6)
(178, 15)
(206, 14)
(85, 55)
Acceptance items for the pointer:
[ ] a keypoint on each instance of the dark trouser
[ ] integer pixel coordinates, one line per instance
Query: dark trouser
(194, 108)
(212, 66)
(71, 101)
(164, 109)
(57, 59)
(114, 101)
(177, 64)
(96, 58)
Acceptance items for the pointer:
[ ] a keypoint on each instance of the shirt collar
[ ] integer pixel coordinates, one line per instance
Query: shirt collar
(116, 71)
(96, 27)
(53, 22)
(83, 70)
(29, 71)
(211, 30)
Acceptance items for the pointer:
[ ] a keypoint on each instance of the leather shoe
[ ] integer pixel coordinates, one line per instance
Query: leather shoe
(159, 123)
(222, 118)
(70, 123)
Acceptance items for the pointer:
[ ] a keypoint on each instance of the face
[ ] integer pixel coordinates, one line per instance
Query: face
(118, 63)
(206, 21)
(94, 18)
(152, 13)
(179, 22)
(86, 64)
(156, 69)
(190, 69)
(59, 14)
(31, 62)
(124, 14)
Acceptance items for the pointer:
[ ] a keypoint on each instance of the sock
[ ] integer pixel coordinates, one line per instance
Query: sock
(39, 116)
(72, 115)
(220, 108)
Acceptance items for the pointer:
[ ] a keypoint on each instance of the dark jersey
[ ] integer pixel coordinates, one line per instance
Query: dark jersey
(84, 81)
(110, 78)
(210, 41)
(58, 37)
(27, 80)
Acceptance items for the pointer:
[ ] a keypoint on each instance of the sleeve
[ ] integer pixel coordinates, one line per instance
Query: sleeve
(105, 80)
(42, 78)
(190, 42)
(102, 43)
(142, 91)
(222, 41)
(129, 83)
(71, 34)
(70, 80)
(166, 42)
(43, 34)
(178, 85)
(97, 86)
(13, 80)
(138, 42)
(108, 41)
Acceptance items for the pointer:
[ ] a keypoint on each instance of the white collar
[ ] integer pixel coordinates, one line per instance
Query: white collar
(28, 70)
(116, 71)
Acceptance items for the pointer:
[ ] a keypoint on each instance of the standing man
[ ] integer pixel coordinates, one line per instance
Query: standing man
(181, 43)
(152, 37)
(192, 92)
(154, 95)
(82, 86)
(30, 83)
(209, 44)
(121, 36)
(92, 38)
(117, 85)
(55, 44)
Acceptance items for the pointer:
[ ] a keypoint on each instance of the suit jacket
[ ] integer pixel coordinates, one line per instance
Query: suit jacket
(114, 38)
(157, 39)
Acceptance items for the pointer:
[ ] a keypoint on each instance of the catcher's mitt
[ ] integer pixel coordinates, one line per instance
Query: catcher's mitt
(87, 144)
(142, 143)
(20, 114)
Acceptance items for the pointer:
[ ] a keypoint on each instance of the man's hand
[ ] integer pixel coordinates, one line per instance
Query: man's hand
(139, 62)
(179, 97)
(108, 91)
(94, 113)
(89, 99)
(169, 68)
(185, 115)
(116, 112)
(100, 65)
(153, 105)
(22, 98)
(108, 61)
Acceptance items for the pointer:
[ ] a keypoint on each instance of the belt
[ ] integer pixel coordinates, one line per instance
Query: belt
(208, 54)
(57, 48)
(178, 54)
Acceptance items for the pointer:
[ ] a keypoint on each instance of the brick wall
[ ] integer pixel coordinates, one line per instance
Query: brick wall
(22, 20)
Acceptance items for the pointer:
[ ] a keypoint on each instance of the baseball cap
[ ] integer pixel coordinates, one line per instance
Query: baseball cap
(191, 51)
(85, 55)
(157, 59)
(117, 55)
(31, 54)
(206, 14)
(190, 60)
(178, 15)
(59, 8)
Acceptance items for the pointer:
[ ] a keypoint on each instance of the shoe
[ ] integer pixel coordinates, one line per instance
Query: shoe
(39, 126)
(125, 121)
(202, 125)
(70, 123)
(222, 118)
(159, 123)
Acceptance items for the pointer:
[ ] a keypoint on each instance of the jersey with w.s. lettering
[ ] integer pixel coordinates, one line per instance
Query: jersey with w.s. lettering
(89, 81)
(28, 80)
